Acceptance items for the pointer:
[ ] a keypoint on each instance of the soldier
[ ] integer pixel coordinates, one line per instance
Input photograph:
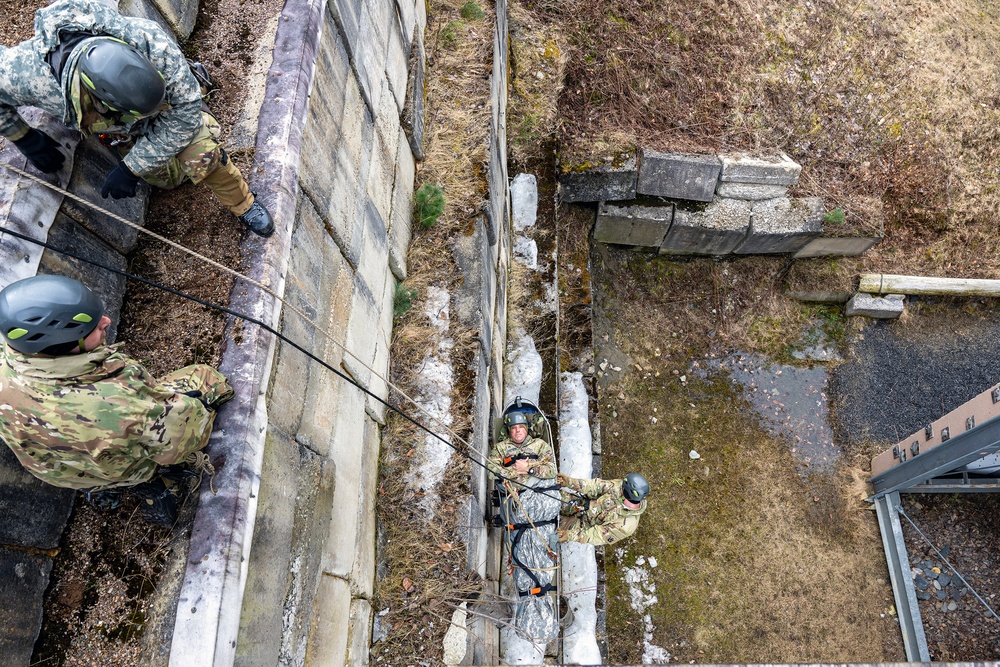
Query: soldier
(126, 80)
(519, 455)
(79, 414)
(599, 511)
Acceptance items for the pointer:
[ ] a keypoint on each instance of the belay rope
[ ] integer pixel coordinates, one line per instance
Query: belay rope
(248, 318)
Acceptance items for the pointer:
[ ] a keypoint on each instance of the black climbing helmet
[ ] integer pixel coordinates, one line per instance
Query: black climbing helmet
(42, 311)
(514, 418)
(121, 77)
(635, 487)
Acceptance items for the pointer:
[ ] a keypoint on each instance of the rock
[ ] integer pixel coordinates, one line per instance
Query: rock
(937, 585)
(941, 595)
(923, 595)
(952, 606)
(931, 573)
(693, 455)
(944, 580)
(920, 582)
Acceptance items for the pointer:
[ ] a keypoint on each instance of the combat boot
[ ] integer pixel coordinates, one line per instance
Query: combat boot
(157, 501)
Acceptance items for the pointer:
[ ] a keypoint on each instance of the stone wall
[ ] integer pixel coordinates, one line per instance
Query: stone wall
(712, 205)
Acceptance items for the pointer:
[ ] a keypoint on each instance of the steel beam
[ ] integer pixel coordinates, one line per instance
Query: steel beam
(907, 609)
(958, 451)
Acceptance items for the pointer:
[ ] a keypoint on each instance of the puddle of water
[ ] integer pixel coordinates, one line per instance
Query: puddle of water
(792, 404)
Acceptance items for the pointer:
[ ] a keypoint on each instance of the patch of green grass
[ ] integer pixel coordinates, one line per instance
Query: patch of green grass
(402, 301)
(471, 11)
(428, 204)
(450, 34)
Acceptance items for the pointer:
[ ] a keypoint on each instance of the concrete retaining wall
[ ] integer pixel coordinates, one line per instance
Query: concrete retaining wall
(709, 205)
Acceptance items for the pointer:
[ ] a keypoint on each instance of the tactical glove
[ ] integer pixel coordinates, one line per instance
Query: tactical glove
(119, 183)
(562, 479)
(41, 150)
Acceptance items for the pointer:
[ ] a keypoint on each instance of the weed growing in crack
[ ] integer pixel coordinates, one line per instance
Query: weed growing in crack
(834, 217)
(403, 300)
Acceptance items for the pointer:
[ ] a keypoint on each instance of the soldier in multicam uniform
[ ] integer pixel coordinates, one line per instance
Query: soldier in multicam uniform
(126, 80)
(79, 414)
(520, 455)
(599, 511)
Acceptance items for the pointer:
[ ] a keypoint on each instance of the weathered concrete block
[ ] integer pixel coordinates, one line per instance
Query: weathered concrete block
(641, 226)
(885, 307)
(677, 175)
(401, 215)
(782, 226)
(375, 405)
(752, 191)
(146, 9)
(363, 575)
(179, 14)
(836, 247)
(606, 183)
(23, 580)
(347, 15)
(41, 509)
(373, 267)
(397, 60)
(330, 631)
(407, 20)
(711, 229)
(384, 152)
(93, 161)
(360, 638)
(766, 170)
(371, 52)
(413, 111)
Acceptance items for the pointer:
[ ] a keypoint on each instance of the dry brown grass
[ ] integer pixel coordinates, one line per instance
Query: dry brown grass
(896, 102)
(423, 573)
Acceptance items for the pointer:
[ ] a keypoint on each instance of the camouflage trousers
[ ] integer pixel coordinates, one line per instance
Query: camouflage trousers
(205, 161)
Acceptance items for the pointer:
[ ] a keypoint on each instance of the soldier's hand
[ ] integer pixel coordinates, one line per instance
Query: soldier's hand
(120, 183)
(562, 534)
(41, 150)
(562, 479)
(522, 466)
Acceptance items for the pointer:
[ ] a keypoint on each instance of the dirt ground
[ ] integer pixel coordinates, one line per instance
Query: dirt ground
(105, 576)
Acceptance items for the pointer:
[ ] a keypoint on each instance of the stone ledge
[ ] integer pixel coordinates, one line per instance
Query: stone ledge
(678, 175)
(779, 226)
(886, 307)
(605, 183)
(764, 170)
(642, 226)
(713, 229)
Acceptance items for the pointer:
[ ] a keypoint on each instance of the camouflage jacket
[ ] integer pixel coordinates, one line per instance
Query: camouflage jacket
(98, 420)
(26, 79)
(594, 512)
(543, 466)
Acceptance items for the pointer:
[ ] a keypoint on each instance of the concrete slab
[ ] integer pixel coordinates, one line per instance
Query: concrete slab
(678, 175)
(752, 191)
(373, 264)
(330, 632)
(782, 226)
(712, 229)
(363, 573)
(886, 307)
(145, 9)
(639, 226)
(24, 578)
(524, 201)
(371, 52)
(36, 512)
(384, 152)
(347, 15)
(407, 13)
(91, 164)
(360, 639)
(180, 15)
(778, 169)
(397, 61)
(413, 111)
(604, 183)
(836, 247)
(401, 215)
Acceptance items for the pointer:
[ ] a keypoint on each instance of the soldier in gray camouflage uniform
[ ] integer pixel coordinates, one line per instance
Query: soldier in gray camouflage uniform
(599, 511)
(126, 80)
(79, 414)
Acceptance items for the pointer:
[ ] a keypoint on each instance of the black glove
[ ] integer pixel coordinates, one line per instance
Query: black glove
(119, 183)
(41, 150)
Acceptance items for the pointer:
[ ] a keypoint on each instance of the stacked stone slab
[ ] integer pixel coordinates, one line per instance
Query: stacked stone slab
(680, 203)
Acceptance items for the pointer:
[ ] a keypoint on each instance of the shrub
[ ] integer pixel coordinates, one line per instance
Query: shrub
(449, 33)
(834, 217)
(471, 11)
(428, 205)
(403, 300)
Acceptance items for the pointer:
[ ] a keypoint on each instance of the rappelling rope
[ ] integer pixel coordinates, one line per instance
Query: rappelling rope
(274, 332)
(899, 509)
(240, 276)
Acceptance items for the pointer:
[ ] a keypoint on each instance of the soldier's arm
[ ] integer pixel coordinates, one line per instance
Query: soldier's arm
(495, 460)
(12, 125)
(591, 488)
(545, 467)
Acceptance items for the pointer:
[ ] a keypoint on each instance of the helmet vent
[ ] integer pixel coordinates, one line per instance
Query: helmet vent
(33, 320)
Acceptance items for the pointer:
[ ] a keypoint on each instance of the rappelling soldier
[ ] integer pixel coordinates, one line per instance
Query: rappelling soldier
(126, 80)
(520, 454)
(599, 511)
(80, 414)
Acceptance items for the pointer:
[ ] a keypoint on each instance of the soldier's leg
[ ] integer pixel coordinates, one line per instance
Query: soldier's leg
(205, 161)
